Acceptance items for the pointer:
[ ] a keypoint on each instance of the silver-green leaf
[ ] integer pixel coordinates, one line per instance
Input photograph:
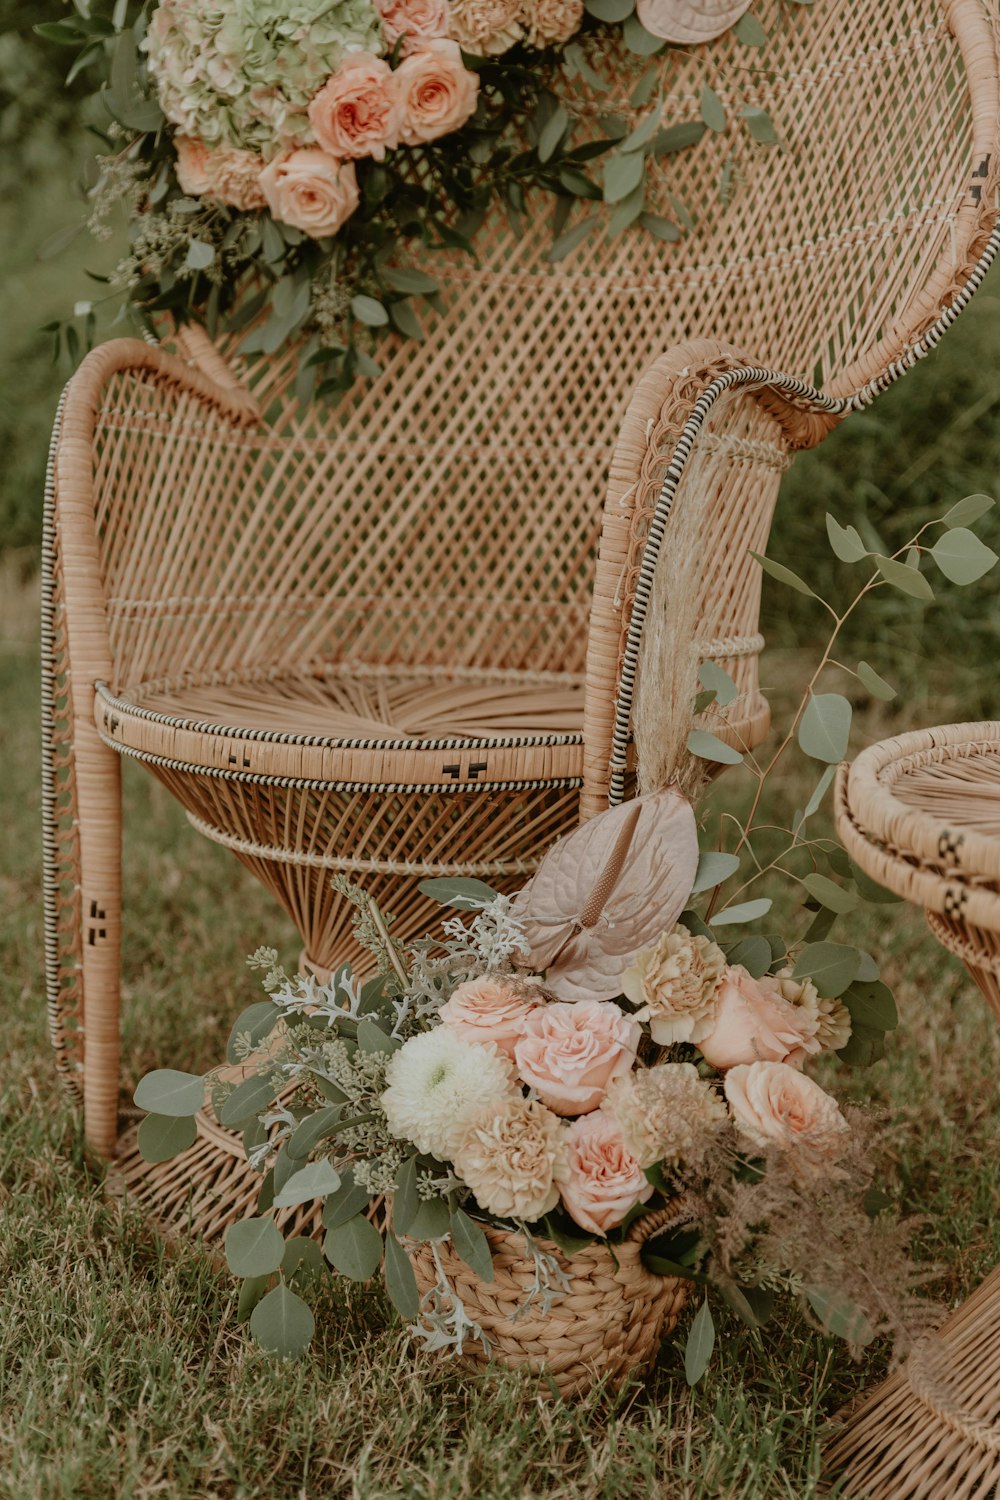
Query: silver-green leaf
(782, 574)
(713, 868)
(168, 1092)
(400, 1282)
(282, 1323)
(709, 747)
(355, 1248)
(845, 541)
(713, 111)
(254, 1247)
(961, 556)
(825, 727)
(712, 676)
(907, 580)
(969, 510)
(162, 1137)
(829, 894)
(472, 1245)
(699, 1346)
(830, 966)
(317, 1180)
(746, 911)
(876, 685)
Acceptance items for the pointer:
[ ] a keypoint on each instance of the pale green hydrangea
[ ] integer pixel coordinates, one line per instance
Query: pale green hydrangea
(242, 72)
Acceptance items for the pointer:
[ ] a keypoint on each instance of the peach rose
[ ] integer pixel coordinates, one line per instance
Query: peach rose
(357, 111)
(490, 1009)
(192, 165)
(436, 90)
(311, 191)
(415, 21)
(777, 1108)
(603, 1179)
(571, 1050)
(755, 1023)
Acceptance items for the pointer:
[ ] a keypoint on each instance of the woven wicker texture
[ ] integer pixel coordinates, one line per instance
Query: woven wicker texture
(608, 1323)
(293, 615)
(921, 814)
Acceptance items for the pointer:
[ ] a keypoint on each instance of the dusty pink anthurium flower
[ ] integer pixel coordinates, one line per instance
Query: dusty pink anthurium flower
(606, 891)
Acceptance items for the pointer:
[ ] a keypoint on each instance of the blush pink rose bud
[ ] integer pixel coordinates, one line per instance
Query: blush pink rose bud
(414, 21)
(436, 90)
(777, 1108)
(755, 1023)
(603, 1179)
(192, 166)
(490, 1009)
(311, 191)
(572, 1050)
(357, 111)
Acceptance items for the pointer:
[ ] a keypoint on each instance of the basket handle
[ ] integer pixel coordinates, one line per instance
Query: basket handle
(649, 1225)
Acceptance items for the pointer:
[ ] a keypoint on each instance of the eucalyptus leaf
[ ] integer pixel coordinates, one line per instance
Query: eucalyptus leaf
(819, 792)
(574, 237)
(408, 279)
(825, 727)
(699, 1346)
(749, 31)
(254, 1247)
(876, 685)
(760, 125)
(251, 1292)
(870, 889)
(472, 1245)
(162, 1137)
(746, 911)
(354, 1248)
(303, 1259)
(830, 966)
(660, 228)
(282, 1323)
(845, 541)
(317, 1180)
(369, 310)
(907, 580)
(709, 747)
(710, 675)
(713, 868)
(622, 175)
(961, 556)
(643, 133)
(406, 1199)
(349, 1199)
(828, 893)
(640, 41)
(781, 574)
(464, 893)
(754, 953)
(371, 1038)
(400, 1282)
(250, 1097)
(252, 1025)
(678, 138)
(405, 321)
(431, 1220)
(166, 1091)
(646, 87)
(969, 510)
(611, 12)
(314, 1128)
(552, 133)
(871, 1005)
(713, 111)
(865, 1046)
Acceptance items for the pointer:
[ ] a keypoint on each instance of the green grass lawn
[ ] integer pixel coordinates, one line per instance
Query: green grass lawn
(124, 1373)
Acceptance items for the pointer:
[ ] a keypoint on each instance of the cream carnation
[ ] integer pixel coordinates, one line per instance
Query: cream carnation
(571, 1051)
(833, 1019)
(437, 92)
(311, 191)
(550, 23)
(674, 985)
(777, 1108)
(235, 178)
(755, 1023)
(603, 1179)
(485, 27)
(491, 1009)
(436, 1084)
(357, 111)
(666, 1113)
(413, 21)
(513, 1156)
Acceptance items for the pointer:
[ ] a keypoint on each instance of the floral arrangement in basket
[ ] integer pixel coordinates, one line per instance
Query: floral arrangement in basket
(277, 160)
(589, 1090)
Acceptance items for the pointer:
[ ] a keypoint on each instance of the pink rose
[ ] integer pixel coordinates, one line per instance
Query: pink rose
(311, 191)
(775, 1107)
(755, 1023)
(357, 111)
(490, 1009)
(436, 90)
(603, 1179)
(192, 166)
(415, 21)
(571, 1051)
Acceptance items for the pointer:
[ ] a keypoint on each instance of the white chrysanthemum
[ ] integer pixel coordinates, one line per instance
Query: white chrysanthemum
(832, 1017)
(667, 1113)
(437, 1082)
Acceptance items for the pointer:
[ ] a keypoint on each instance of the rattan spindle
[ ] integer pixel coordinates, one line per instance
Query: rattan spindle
(403, 636)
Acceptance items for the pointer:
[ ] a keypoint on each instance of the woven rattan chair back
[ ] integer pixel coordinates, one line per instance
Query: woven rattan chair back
(403, 635)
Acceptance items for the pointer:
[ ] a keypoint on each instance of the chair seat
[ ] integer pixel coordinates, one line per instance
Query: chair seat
(357, 723)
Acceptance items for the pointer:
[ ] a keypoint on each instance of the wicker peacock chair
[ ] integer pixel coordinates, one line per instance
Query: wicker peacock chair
(401, 636)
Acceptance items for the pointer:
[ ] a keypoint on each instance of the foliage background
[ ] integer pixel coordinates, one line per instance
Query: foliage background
(122, 1372)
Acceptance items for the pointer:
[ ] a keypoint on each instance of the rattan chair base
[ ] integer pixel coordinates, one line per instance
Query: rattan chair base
(607, 1325)
(197, 1196)
(932, 1430)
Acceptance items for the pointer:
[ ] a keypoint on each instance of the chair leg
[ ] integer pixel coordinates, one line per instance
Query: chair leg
(98, 777)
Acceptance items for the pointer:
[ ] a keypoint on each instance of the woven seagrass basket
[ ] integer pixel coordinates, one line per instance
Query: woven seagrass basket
(609, 1322)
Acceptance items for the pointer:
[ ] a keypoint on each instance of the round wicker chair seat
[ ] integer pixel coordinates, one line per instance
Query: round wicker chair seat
(921, 815)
